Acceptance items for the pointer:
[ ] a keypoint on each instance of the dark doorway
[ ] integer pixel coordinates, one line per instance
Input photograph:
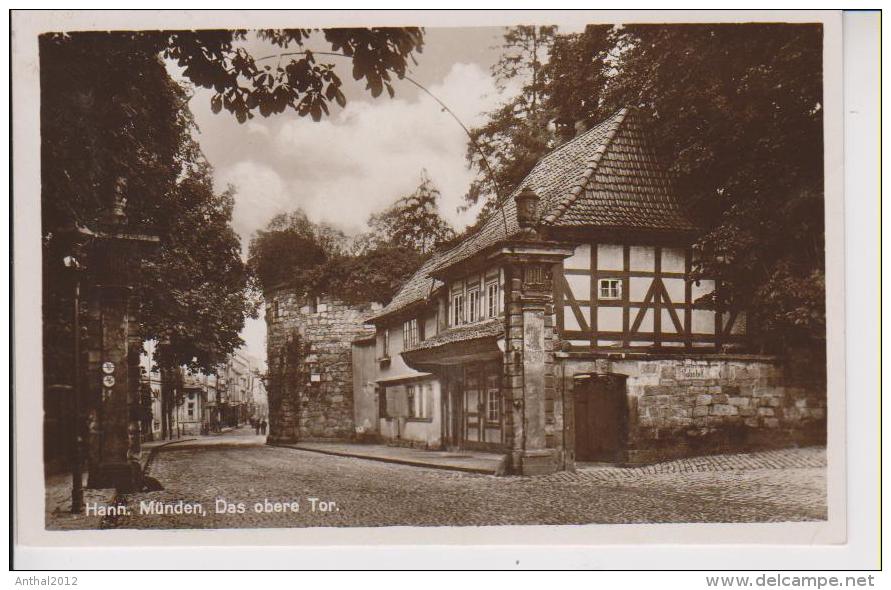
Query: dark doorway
(455, 414)
(600, 417)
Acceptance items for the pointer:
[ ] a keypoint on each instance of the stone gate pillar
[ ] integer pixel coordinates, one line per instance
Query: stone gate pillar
(530, 341)
(113, 353)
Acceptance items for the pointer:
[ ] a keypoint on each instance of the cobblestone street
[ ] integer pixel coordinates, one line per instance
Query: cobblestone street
(238, 468)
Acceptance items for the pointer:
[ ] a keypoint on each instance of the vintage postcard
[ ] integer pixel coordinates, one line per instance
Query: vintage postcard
(495, 278)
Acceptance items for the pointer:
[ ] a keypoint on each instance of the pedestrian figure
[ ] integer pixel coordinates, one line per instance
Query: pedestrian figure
(263, 427)
(256, 425)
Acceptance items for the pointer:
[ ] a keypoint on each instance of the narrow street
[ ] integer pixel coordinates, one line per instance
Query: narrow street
(216, 475)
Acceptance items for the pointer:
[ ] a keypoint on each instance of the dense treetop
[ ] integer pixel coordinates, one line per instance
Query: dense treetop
(734, 110)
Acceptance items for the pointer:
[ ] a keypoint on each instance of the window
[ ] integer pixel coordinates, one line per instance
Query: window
(473, 305)
(493, 399)
(382, 402)
(610, 288)
(458, 309)
(191, 409)
(492, 300)
(412, 395)
(385, 343)
(410, 333)
(417, 400)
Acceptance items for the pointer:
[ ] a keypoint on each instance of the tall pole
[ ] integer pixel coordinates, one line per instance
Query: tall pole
(77, 481)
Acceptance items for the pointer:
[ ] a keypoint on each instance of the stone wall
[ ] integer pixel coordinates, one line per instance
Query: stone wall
(309, 355)
(680, 407)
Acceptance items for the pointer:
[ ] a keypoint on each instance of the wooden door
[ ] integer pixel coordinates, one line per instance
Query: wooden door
(456, 414)
(600, 418)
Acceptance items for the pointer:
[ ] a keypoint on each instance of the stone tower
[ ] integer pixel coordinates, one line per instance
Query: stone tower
(309, 355)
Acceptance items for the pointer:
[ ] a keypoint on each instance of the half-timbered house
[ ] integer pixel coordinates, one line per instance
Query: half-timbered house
(568, 327)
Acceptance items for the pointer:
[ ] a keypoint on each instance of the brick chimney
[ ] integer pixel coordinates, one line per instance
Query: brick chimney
(565, 129)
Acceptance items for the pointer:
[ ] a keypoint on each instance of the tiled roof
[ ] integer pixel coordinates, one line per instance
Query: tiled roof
(606, 178)
(418, 287)
(625, 187)
(475, 331)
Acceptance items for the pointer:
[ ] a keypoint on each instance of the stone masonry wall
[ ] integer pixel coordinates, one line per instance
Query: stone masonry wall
(309, 351)
(681, 407)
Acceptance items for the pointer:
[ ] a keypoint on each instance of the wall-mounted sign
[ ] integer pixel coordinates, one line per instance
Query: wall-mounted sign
(108, 381)
(691, 372)
(108, 367)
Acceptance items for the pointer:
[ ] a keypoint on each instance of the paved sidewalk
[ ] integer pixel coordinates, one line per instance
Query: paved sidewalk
(467, 461)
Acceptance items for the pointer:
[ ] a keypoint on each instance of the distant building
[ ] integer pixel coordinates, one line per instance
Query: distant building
(202, 402)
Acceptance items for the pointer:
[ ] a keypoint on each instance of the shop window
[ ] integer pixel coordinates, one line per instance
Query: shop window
(417, 400)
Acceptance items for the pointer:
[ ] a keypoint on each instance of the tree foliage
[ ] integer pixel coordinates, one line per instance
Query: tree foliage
(293, 77)
(293, 251)
(413, 222)
(516, 133)
(110, 113)
(315, 259)
(735, 111)
(195, 290)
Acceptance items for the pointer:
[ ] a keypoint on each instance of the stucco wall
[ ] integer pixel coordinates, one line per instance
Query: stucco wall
(365, 404)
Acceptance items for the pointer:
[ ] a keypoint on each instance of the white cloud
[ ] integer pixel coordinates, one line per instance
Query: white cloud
(345, 167)
(260, 194)
(360, 160)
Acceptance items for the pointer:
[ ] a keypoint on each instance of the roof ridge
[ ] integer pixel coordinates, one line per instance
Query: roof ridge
(593, 162)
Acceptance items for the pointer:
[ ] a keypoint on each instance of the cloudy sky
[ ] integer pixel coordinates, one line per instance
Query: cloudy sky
(364, 156)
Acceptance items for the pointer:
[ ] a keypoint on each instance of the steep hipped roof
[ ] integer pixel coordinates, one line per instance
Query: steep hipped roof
(605, 178)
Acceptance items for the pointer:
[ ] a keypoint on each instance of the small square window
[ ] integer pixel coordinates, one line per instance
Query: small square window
(610, 289)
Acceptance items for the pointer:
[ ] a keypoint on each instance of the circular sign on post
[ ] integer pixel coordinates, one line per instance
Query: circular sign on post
(108, 367)
(108, 381)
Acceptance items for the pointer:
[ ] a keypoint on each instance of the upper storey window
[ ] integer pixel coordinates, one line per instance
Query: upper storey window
(410, 336)
(610, 289)
(473, 305)
(492, 300)
(458, 309)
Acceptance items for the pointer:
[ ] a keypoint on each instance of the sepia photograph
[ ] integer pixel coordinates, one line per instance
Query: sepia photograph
(433, 276)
